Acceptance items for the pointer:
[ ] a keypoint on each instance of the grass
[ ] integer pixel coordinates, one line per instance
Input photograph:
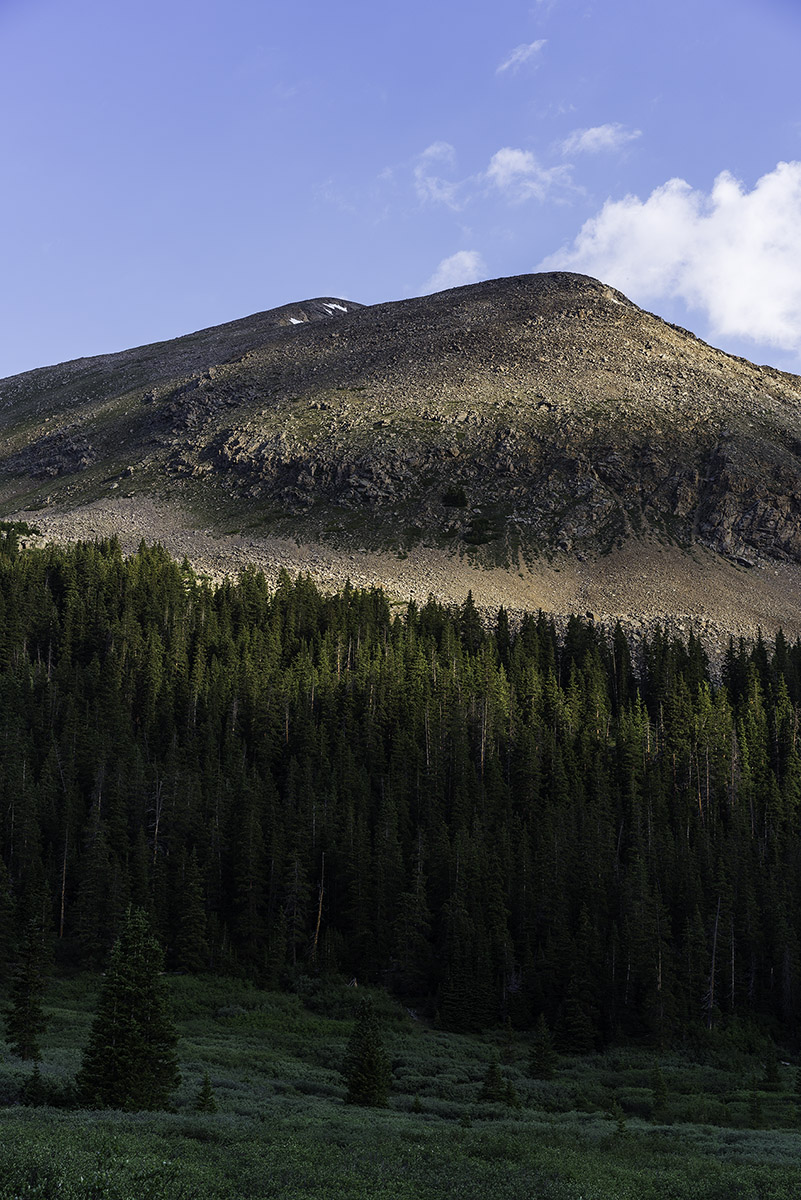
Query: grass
(282, 1128)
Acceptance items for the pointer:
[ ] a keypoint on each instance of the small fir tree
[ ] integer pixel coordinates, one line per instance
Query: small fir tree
(206, 1102)
(34, 1092)
(130, 1062)
(24, 1018)
(659, 1089)
(191, 944)
(6, 917)
(771, 1080)
(618, 1116)
(543, 1059)
(366, 1067)
(576, 1029)
(755, 1106)
(493, 1088)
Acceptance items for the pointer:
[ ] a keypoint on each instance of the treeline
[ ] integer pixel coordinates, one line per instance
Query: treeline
(494, 824)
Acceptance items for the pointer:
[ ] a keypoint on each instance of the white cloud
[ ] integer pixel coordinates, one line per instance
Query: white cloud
(599, 138)
(431, 186)
(466, 266)
(516, 174)
(520, 55)
(519, 176)
(733, 254)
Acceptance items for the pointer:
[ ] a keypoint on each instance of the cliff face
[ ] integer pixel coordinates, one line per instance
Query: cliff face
(512, 419)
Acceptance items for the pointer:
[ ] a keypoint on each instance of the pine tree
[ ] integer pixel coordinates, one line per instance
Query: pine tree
(755, 1117)
(543, 1060)
(618, 1116)
(771, 1080)
(130, 1062)
(659, 1088)
(366, 1068)
(33, 1091)
(205, 1098)
(191, 944)
(493, 1088)
(6, 916)
(24, 1018)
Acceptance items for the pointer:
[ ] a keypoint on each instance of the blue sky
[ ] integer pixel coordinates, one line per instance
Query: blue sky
(171, 165)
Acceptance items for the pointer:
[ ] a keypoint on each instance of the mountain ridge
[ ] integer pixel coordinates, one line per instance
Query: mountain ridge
(505, 425)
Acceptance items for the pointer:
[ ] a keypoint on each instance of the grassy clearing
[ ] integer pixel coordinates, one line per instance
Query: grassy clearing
(597, 1131)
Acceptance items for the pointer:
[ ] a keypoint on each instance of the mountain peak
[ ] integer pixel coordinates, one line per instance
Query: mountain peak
(504, 424)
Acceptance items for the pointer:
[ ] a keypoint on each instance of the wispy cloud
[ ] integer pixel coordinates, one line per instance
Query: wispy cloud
(466, 266)
(520, 54)
(520, 176)
(513, 174)
(599, 138)
(733, 254)
(429, 185)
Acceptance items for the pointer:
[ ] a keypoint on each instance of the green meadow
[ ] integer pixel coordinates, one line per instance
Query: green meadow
(702, 1121)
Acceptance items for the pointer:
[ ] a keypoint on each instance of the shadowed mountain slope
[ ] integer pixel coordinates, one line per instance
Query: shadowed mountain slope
(514, 425)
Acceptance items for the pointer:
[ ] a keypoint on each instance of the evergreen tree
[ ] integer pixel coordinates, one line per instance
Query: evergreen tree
(493, 1087)
(771, 1080)
(191, 944)
(24, 1018)
(366, 1067)
(618, 1116)
(205, 1098)
(576, 1029)
(6, 917)
(33, 1091)
(543, 1060)
(659, 1089)
(130, 1062)
(755, 1117)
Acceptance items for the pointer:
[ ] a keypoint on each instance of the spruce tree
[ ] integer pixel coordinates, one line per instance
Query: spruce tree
(366, 1068)
(543, 1059)
(755, 1117)
(33, 1092)
(130, 1062)
(205, 1098)
(493, 1088)
(659, 1089)
(24, 1018)
(6, 916)
(771, 1080)
(191, 944)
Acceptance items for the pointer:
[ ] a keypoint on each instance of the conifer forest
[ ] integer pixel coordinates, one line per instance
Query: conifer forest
(496, 824)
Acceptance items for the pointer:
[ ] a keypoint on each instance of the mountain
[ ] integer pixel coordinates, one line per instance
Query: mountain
(540, 439)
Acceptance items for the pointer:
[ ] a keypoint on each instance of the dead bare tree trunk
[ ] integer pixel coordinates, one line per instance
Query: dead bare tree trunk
(710, 996)
(319, 910)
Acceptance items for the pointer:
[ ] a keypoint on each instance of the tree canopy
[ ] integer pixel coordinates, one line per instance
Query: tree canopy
(496, 821)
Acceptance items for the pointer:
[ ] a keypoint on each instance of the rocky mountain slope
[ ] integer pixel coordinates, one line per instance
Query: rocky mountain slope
(527, 428)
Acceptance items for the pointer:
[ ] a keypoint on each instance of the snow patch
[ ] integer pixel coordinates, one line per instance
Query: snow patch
(340, 307)
(295, 321)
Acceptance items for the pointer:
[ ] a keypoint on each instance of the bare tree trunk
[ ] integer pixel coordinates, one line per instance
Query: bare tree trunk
(63, 888)
(710, 996)
(319, 911)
